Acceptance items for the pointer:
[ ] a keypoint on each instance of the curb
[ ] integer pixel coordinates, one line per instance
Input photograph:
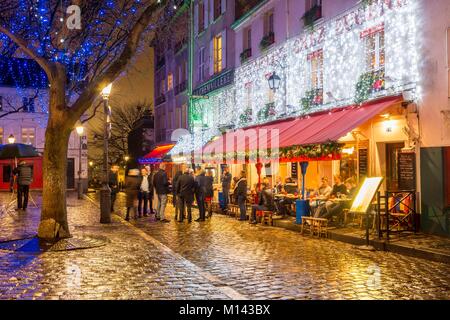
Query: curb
(380, 245)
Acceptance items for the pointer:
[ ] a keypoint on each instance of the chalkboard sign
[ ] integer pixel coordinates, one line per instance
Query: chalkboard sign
(294, 170)
(363, 161)
(407, 171)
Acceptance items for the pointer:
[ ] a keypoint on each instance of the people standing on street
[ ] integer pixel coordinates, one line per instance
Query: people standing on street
(241, 194)
(145, 187)
(226, 184)
(178, 174)
(200, 194)
(132, 185)
(161, 185)
(265, 202)
(209, 195)
(113, 185)
(151, 194)
(185, 189)
(24, 180)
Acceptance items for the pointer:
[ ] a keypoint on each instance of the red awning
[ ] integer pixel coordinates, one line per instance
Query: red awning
(157, 155)
(313, 129)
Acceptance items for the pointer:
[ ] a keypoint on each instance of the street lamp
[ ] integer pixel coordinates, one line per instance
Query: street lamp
(105, 192)
(11, 139)
(274, 82)
(80, 132)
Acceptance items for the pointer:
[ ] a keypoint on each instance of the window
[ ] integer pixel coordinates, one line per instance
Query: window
(28, 105)
(313, 3)
(201, 64)
(162, 85)
(201, 16)
(217, 8)
(268, 23)
(247, 38)
(316, 69)
(184, 123)
(178, 117)
(29, 136)
(169, 81)
(374, 43)
(217, 51)
(171, 120)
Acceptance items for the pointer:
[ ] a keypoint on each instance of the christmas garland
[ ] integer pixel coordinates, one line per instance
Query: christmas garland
(267, 112)
(369, 83)
(309, 152)
(312, 98)
(246, 117)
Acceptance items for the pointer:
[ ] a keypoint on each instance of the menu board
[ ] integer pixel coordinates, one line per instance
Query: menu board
(363, 161)
(366, 195)
(406, 171)
(294, 170)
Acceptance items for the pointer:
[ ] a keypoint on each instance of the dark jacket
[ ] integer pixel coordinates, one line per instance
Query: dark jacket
(209, 187)
(185, 187)
(338, 189)
(200, 185)
(113, 182)
(132, 185)
(25, 175)
(150, 183)
(226, 181)
(161, 182)
(266, 199)
(241, 188)
(174, 181)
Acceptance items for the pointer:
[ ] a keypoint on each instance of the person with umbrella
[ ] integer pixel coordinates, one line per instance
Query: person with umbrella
(24, 180)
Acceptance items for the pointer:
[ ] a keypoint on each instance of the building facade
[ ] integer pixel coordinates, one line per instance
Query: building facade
(326, 57)
(24, 116)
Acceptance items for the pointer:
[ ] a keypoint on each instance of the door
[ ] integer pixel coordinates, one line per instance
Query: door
(71, 173)
(392, 150)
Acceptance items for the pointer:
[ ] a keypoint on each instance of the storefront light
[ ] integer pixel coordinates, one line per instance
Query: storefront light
(348, 151)
(389, 125)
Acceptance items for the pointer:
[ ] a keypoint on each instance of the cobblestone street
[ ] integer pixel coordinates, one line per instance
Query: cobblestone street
(221, 258)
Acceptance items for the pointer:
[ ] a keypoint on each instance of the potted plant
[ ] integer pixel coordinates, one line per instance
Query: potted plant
(311, 16)
(266, 41)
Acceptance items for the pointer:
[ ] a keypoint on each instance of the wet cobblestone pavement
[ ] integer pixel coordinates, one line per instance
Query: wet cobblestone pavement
(218, 259)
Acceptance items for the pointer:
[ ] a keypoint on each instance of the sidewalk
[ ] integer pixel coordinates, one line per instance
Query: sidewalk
(418, 245)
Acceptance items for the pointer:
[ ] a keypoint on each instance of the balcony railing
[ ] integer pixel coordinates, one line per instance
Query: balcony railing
(267, 41)
(245, 55)
(161, 99)
(180, 87)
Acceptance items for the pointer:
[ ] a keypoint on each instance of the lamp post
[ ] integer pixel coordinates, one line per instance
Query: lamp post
(80, 131)
(275, 81)
(11, 139)
(105, 192)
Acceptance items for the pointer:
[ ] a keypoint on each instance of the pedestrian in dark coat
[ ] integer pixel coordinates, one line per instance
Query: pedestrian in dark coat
(178, 174)
(200, 194)
(114, 186)
(241, 194)
(131, 191)
(24, 179)
(161, 185)
(209, 193)
(185, 189)
(226, 185)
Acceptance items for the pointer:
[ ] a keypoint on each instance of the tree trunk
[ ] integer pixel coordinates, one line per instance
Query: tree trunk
(54, 224)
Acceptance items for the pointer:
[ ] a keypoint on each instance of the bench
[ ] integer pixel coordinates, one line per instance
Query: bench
(315, 226)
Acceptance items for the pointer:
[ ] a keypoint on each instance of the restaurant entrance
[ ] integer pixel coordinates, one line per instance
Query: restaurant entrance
(392, 151)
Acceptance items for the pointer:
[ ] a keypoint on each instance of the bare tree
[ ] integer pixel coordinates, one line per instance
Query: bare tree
(78, 64)
(122, 123)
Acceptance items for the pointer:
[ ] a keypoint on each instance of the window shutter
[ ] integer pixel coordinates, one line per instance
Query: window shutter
(223, 6)
(196, 19)
(211, 11)
(205, 14)
(224, 49)
(211, 57)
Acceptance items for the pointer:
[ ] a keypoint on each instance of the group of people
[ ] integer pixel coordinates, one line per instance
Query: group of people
(142, 187)
(324, 206)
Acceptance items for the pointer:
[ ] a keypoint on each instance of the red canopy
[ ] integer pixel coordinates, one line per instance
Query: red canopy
(313, 129)
(157, 155)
